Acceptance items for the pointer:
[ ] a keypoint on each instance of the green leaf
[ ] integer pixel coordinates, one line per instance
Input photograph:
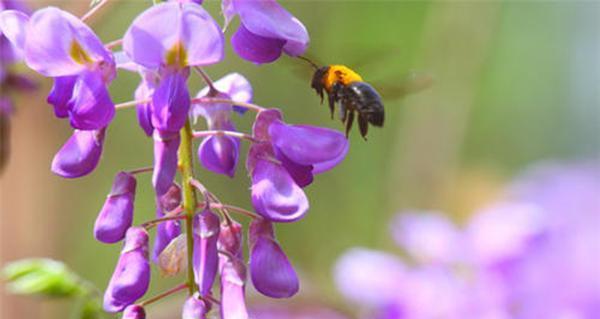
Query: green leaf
(44, 277)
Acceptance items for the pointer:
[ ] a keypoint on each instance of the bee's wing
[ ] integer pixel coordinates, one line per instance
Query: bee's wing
(411, 84)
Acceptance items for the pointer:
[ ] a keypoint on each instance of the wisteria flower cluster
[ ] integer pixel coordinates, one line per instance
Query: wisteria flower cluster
(531, 255)
(165, 44)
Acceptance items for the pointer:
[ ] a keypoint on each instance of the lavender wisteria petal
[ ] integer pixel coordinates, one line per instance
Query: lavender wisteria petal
(80, 155)
(58, 44)
(13, 25)
(165, 161)
(271, 272)
(170, 103)
(308, 145)
(165, 233)
(268, 20)
(194, 308)
(192, 37)
(132, 274)
(116, 215)
(233, 86)
(219, 154)
(61, 94)
(205, 256)
(256, 48)
(143, 92)
(233, 272)
(275, 194)
(90, 106)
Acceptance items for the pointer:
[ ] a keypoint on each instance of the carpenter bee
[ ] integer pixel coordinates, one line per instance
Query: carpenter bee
(355, 97)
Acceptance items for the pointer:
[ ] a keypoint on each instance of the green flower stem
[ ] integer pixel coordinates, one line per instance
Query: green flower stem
(189, 197)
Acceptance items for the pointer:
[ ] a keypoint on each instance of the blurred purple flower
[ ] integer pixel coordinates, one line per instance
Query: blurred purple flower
(532, 255)
(116, 215)
(132, 274)
(271, 272)
(285, 160)
(266, 30)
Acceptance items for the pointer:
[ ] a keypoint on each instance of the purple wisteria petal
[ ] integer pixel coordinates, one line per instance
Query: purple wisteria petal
(219, 154)
(13, 26)
(264, 119)
(131, 278)
(308, 145)
(80, 154)
(144, 91)
(275, 194)
(165, 161)
(58, 44)
(302, 174)
(194, 308)
(233, 272)
(134, 312)
(171, 199)
(270, 270)
(369, 277)
(269, 20)
(191, 38)
(233, 86)
(205, 257)
(61, 94)
(90, 107)
(428, 237)
(256, 48)
(325, 166)
(116, 215)
(171, 103)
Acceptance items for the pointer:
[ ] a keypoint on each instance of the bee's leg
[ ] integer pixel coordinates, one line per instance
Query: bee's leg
(349, 123)
(335, 96)
(331, 97)
(363, 124)
(343, 111)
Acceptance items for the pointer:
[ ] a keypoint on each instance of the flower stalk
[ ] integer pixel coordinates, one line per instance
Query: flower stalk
(189, 197)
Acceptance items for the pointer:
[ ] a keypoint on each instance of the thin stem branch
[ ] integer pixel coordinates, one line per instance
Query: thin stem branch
(215, 100)
(205, 77)
(162, 295)
(231, 208)
(189, 196)
(113, 44)
(129, 104)
(150, 224)
(93, 10)
(200, 134)
(141, 170)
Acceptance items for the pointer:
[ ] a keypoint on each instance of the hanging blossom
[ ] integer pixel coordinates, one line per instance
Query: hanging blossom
(57, 44)
(266, 30)
(164, 44)
(507, 262)
(191, 38)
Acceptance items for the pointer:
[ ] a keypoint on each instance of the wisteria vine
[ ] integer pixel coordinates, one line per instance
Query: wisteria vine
(164, 45)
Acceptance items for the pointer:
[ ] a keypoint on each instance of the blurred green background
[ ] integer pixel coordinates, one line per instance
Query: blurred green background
(513, 83)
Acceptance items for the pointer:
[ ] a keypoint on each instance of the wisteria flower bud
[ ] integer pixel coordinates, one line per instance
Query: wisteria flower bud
(131, 278)
(80, 155)
(165, 161)
(270, 270)
(219, 154)
(233, 273)
(116, 215)
(266, 30)
(134, 312)
(205, 259)
(194, 308)
(171, 199)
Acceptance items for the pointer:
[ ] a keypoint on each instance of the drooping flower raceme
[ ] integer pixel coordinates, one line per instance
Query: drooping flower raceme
(165, 44)
(527, 256)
